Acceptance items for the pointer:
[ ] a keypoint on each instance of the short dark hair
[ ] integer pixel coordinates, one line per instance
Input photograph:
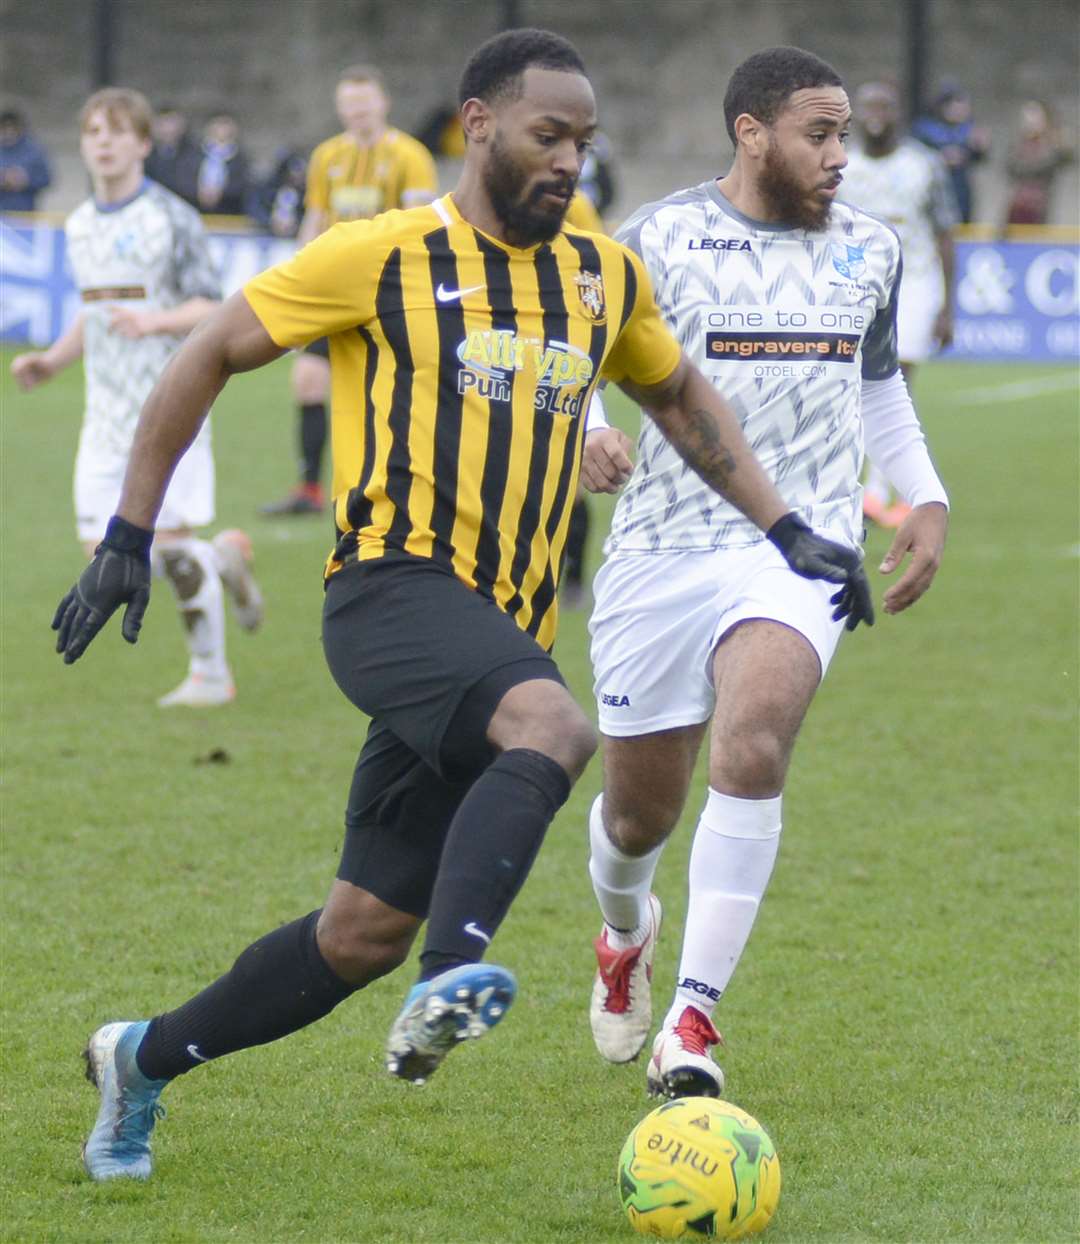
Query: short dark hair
(495, 69)
(764, 83)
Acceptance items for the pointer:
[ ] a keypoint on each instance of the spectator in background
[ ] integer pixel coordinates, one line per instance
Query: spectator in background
(369, 168)
(277, 205)
(24, 167)
(902, 183)
(224, 178)
(949, 129)
(441, 133)
(1037, 152)
(174, 158)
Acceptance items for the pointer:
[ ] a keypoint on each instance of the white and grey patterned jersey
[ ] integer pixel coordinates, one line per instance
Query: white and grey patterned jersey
(909, 189)
(785, 323)
(148, 252)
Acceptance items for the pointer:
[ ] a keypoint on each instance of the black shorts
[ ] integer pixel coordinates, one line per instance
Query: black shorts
(320, 346)
(428, 660)
(396, 821)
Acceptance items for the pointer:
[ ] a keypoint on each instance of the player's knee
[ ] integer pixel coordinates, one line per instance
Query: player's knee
(543, 716)
(639, 829)
(357, 952)
(581, 740)
(310, 380)
(181, 569)
(568, 737)
(356, 958)
(754, 764)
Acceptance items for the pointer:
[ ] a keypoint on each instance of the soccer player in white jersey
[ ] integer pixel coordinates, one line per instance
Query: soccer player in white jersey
(906, 184)
(140, 259)
(787, 301)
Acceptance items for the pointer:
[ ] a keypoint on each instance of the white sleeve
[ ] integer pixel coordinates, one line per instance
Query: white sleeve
(895, 441)
(595, 416)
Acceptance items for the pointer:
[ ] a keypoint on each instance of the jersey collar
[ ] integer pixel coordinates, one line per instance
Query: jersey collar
(116, 207)
(447, 211)
(713, 191)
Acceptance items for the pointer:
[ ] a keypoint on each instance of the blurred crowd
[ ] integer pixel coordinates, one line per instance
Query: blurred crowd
(212, 170)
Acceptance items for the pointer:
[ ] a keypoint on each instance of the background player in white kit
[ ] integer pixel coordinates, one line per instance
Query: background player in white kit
(906, 184)
(788, 303)
(140, 259)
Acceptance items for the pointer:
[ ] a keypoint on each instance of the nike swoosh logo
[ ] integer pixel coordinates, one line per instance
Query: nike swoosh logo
(452, 295)
(193, 1050)
(473, 931)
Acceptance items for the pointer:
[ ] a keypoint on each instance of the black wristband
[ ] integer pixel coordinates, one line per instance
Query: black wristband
(785, 530)
(125, 537)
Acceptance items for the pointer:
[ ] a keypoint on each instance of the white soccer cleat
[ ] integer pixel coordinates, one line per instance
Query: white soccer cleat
(235, 558)
(200, 691)
(681, 1065)
(620, 1012)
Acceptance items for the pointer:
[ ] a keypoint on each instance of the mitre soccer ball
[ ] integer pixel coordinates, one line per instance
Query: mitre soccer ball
(697, 1166)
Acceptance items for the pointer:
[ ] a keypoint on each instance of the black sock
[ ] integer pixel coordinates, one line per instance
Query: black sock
(279, 984)
(577, 537)
(312, 440)
(490, 846)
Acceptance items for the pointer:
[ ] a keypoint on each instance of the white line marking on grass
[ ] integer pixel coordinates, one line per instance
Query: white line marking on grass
(1018, 389)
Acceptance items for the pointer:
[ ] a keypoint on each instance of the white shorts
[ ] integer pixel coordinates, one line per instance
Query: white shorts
(659, 616)
(921, 298)
(189, 500)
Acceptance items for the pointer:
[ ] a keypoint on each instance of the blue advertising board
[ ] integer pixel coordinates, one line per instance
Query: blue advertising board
(1015, 301)
(38, 299)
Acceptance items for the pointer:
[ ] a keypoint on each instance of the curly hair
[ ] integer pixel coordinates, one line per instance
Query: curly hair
(495, 69)
(764, 83)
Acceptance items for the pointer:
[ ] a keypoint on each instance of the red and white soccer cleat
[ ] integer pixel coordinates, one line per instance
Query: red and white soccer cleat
(681, 1065)
(620, 1012)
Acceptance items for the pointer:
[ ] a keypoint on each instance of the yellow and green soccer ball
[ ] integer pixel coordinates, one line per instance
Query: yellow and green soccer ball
(697, 1166)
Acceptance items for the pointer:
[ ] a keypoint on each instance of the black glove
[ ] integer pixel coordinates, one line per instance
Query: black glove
(814, 557)
(119, 574)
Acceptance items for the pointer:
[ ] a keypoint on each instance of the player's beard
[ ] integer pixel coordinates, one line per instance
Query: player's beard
(525, 221)
(787, 198)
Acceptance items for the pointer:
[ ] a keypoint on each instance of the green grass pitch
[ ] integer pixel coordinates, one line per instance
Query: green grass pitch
(904, 1022)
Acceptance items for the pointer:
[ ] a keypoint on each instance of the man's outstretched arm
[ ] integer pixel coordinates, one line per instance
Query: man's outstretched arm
(229, 341)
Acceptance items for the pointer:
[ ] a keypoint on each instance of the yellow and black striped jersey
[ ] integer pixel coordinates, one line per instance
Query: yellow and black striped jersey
(461, 369)
(348, 182)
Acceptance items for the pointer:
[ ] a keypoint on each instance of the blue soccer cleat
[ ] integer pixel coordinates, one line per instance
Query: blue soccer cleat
(458, 1005)
(119, 1145)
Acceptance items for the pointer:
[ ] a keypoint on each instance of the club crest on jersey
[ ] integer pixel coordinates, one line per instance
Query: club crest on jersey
(848, 260)
(590, 288)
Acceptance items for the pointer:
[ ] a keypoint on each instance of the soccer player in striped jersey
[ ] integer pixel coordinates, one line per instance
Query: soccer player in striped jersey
(787, 301)
(140, 259)
(466, 338)
(370, 167)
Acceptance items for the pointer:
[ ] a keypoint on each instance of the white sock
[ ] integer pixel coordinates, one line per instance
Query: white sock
(876, 483)
(621, 883)
(190, 565)
(732, 858)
